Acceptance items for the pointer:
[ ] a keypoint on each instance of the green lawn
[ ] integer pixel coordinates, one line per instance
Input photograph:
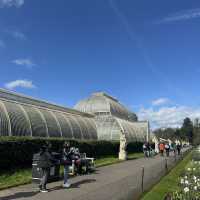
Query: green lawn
(169, 183)
(113, 160)
(23, 176)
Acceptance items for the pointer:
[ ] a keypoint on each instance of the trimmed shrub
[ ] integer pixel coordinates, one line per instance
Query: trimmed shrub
(17, 152)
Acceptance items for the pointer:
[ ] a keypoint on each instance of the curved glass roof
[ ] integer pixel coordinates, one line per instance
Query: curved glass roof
(134, 131)
(21, 118)
(103, 103)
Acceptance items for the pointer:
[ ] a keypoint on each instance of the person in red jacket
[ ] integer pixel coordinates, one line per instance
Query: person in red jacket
(161, 148)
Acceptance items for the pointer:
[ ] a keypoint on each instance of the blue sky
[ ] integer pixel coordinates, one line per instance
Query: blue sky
(145, 53)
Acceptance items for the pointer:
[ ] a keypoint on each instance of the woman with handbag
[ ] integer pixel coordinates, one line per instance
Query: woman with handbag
(67, 160)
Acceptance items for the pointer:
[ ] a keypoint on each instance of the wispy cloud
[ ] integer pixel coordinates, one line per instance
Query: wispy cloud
(20, 83)
(160, 101)
(24, 62)
(170, 116)
(2, 44)
(10, 3)
(180, 16)
(16, 34)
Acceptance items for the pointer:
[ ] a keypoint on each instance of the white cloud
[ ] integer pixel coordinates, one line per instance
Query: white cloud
(20, 83)
(2, 44)
(24, 62)
(17, 34)
(160, 101)
(168, 116)
(183, 15)
(10, 3)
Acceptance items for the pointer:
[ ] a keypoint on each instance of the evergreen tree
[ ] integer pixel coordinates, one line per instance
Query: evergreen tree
(196, 132)
(187, 130)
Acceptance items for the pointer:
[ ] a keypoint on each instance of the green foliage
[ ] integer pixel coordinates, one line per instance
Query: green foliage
(187, 129)
(189, 182)
(169, 183)
(196, 133)
(167, 133)
(187, 132)
(17, 152)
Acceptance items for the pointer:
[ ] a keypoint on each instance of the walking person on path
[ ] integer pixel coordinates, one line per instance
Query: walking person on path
(148, 149)
(174, 148)
(145, 149)
(161, 148)
(67, 161)
(45, 162)
(178, 148)
(167, 149)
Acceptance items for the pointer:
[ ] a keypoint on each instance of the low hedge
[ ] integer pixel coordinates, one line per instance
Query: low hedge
(17, 152)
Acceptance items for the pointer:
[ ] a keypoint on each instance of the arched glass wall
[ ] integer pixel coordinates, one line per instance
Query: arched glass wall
(19, 119)
(134, 131)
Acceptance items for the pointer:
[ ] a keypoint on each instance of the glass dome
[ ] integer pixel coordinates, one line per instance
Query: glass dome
(102, 103)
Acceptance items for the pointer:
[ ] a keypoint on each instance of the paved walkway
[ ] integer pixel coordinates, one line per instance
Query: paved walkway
(121, 181)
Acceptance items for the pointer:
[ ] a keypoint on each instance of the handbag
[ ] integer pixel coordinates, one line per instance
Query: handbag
(66, 161)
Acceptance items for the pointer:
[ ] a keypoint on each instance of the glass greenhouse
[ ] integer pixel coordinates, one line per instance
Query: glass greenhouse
(100, 117)
(113, 119)
(24, 116)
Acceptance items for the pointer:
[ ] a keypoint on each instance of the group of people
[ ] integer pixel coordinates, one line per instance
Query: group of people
(163, 147)
(147, 149)
(166, 147)
(46, 160)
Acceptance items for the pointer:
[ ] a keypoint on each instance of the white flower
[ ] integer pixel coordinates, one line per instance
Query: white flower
(182, 181)
(185, 177)
(189, 169)
(186, 189)
(194, 177)
(186, 182)
(195, 187)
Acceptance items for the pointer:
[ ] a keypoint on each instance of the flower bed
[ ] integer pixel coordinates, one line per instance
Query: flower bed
(189, 185)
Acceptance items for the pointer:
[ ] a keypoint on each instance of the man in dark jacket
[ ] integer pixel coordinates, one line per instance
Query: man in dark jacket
(45, 162)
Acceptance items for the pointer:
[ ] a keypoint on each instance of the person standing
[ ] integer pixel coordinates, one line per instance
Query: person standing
(67, 161)
(161, 148)
(148, 149)
(174, 148)
(167, 148)
(178, 148)
(145, 149)
(45, 162)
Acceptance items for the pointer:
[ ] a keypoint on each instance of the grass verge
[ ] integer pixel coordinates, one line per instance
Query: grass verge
(168, 183)
(24, 176)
